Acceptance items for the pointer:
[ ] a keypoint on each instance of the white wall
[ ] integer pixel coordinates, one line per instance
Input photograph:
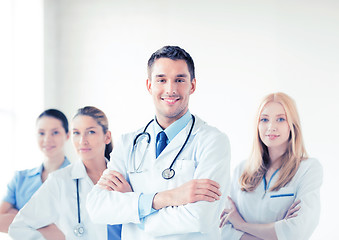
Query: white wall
(21, 85)
(96, 54)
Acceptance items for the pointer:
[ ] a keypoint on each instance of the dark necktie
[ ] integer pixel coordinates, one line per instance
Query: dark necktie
(162, 142)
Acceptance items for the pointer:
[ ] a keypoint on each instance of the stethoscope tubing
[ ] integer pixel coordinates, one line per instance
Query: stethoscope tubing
(188, 136)
(78, 230)
(148, 142)
(78, 200)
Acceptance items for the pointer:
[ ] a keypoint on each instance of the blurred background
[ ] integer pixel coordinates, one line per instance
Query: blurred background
(66, 54)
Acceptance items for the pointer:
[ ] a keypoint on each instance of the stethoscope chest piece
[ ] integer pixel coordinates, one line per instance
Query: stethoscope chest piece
(168, 173)
(79, 230)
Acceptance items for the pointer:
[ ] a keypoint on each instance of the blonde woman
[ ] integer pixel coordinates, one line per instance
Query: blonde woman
(62, 198)
(275, 193)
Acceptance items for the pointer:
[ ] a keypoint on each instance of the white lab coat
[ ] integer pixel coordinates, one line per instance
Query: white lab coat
(206, 155)
(258, 207)
(56, 202)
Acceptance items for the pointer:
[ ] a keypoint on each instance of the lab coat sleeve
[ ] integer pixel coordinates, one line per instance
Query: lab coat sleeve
(213, 155)
(302, 226)
(110, 207)
(228, 231)
(39, 212)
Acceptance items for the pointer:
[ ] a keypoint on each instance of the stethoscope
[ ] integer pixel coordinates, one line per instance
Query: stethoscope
(79, 229)
(168, 173)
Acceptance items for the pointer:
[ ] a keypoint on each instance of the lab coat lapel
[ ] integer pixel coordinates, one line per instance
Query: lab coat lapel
(79, 172)
(168, 154)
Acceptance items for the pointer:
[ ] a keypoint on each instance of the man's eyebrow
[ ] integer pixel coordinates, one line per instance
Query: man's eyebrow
(160, 75)
(182, 75)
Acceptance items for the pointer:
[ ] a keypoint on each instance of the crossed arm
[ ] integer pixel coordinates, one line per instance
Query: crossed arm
(8, 213)
(254, 231)
(188, 205)
(190, 192)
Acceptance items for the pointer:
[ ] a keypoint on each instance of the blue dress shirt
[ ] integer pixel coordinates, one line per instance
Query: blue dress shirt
(24, 184)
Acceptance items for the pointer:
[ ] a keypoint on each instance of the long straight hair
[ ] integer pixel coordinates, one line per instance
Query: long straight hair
(258, 162)
(100, 117)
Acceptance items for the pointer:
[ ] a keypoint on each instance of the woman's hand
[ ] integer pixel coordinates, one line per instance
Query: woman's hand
(114, 181)
(247, 236)
(292, 211)
(231, 215)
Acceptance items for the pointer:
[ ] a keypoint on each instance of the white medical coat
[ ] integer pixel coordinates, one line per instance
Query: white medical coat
(56, 202)
(258, 207)
(206, 155)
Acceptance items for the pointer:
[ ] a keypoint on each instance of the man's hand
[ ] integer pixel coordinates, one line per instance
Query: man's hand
(190, 192)
(114, 181)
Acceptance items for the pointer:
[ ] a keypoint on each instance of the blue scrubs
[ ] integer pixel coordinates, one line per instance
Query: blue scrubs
(24, 184)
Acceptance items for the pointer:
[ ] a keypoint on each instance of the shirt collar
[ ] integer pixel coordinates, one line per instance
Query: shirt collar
(38, 170)
(79, 169)
(173, 129)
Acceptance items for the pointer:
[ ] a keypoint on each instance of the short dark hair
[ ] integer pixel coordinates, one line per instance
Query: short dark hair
(174, 53)
(54, 113)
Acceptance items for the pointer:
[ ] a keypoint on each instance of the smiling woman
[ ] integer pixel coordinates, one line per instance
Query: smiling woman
(52, 134)
(275, 194)
(62, 198)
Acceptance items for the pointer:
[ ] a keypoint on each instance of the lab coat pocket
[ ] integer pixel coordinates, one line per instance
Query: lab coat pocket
(184, 171)
(140, 181)
(281, 201)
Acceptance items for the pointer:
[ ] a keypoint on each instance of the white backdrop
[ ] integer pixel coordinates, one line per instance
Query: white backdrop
(96, 54)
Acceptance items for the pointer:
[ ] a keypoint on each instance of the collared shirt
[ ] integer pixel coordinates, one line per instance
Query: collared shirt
(207, 156)
(173, 129)
(264, 206)
(145, 200)
(56, 202)
(24, 184)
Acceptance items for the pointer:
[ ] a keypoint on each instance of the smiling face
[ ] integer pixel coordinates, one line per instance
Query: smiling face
(274, 130)
(89, 138)
(171, 86)
(51, 136)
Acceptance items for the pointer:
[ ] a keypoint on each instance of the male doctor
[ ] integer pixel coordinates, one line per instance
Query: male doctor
(153, 192)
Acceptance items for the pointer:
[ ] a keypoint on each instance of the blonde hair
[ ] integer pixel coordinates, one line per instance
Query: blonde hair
(258, 162)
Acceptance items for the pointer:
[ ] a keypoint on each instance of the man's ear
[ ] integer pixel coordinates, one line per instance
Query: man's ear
(193, 85)
(149, 85)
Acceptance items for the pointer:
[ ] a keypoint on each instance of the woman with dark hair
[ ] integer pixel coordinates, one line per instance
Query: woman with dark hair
(52, 134)
(62, 198)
